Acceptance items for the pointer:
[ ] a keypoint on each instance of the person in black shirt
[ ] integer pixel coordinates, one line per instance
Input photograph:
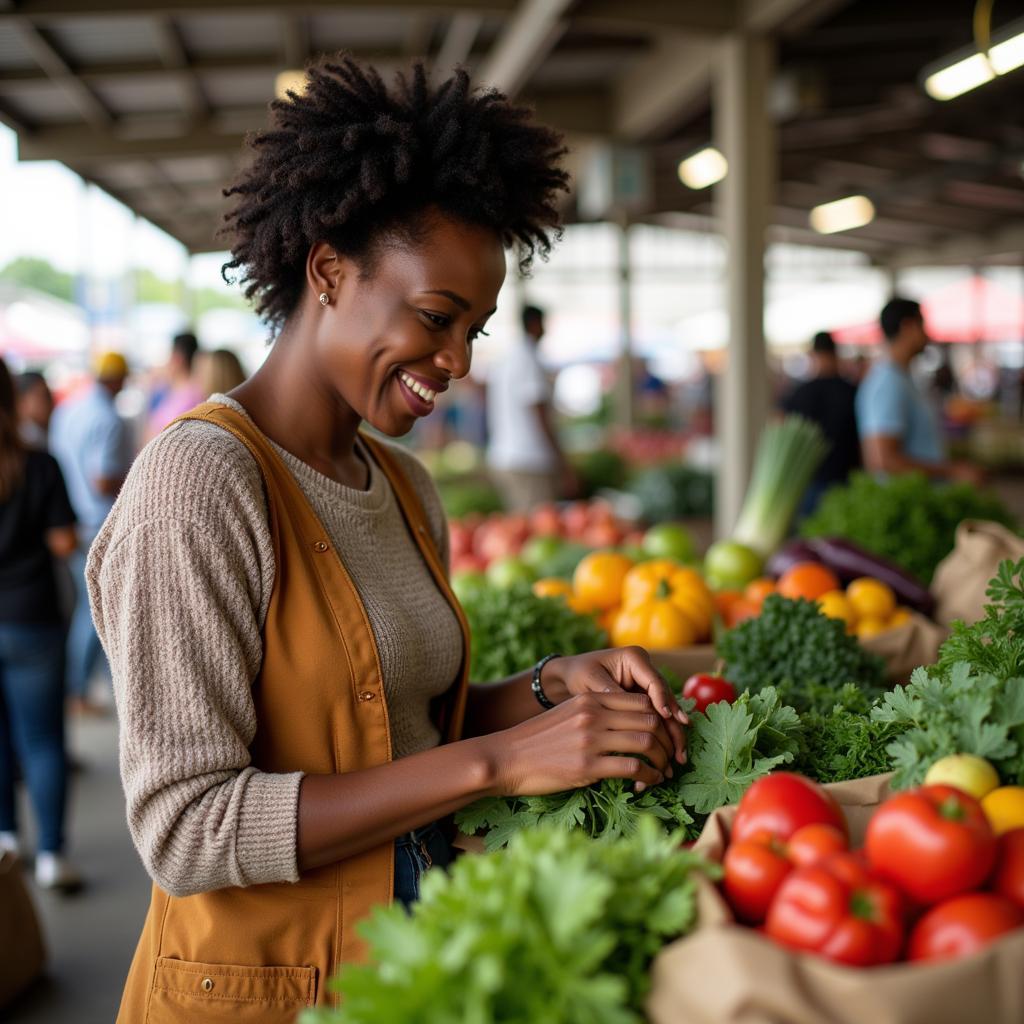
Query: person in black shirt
(828, 400)
(36, 524)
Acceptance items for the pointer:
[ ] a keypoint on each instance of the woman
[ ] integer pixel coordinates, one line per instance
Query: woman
(36, 524)
(218, 372)
(289, 662)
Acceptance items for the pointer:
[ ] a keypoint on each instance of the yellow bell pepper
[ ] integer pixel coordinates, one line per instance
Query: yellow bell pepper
(663, 580)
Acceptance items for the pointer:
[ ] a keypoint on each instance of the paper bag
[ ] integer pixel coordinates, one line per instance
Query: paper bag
(906, 647)
(21, 943)
(962, 577)
(727, 974)
(686, 661)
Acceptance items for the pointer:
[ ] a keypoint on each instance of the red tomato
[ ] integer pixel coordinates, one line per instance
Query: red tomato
(814, 843)
(962, 926)
(708, 689)
(934, 842)
(755, 868)
(839, 910)
(782, 802)
(1008, 878)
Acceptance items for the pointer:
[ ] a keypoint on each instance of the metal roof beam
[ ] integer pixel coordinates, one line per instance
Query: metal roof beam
(968, 248)
(47, 10)
(175, 57)
(526, 40)
(57, 69)
(648, 15)
(458, 41)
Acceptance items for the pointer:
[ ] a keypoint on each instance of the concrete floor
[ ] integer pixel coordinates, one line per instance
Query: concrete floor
(90, 936)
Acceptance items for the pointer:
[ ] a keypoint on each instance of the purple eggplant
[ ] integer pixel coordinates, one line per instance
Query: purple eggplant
(791, 553)
(848, 562)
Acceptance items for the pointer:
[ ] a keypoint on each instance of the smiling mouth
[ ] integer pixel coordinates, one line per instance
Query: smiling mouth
(421, 392)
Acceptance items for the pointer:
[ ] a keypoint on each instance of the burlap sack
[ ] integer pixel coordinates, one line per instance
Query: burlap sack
(727, 974)
(906, 647)
(960, 581)
(22, 955)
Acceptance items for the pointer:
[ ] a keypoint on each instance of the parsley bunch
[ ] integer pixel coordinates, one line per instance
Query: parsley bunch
(805, 655)
(729, 748)
(555, 928)
(905, 518)
(513, 629)
(959, 711)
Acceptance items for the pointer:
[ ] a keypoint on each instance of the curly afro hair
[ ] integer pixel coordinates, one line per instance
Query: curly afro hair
(355, 163)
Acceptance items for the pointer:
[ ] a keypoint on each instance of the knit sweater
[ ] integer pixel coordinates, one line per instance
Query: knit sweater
(179, 579)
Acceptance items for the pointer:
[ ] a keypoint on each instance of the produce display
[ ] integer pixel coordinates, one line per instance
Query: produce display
(555, 928)
(906, 519)
(933, 880)
(672, 491)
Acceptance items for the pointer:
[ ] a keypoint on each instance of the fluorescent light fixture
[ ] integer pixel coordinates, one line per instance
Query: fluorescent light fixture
(842, 215)
(703, 169)
(289, 80)
(953, 77)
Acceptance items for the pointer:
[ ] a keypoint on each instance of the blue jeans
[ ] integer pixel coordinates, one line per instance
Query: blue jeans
(32, 726)
(415, 852)
(84, 648)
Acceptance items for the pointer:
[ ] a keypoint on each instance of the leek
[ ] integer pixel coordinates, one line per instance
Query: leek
(787, 455)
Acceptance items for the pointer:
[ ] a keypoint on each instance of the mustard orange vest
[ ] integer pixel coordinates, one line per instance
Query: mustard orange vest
(262, 953)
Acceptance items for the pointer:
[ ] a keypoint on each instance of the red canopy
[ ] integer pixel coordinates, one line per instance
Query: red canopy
(972, 309)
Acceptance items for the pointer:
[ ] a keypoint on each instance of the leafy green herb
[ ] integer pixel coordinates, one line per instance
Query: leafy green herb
(954, 712)
(905, 518)
(555, 928)
(996, 643)
(844, 743)
(805, 655)
(729, 748)
(513, 629)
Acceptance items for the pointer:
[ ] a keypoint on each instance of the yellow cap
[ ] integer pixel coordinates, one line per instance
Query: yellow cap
(111, 366)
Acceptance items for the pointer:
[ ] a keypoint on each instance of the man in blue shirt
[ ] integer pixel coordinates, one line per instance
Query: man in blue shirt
(898, 429)
(90, 441)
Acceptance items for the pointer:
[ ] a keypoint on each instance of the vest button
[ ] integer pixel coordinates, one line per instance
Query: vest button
(320, 546)
(367, 695)
(207, 984)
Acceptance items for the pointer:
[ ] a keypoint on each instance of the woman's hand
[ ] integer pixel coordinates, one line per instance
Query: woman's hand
(622, 668)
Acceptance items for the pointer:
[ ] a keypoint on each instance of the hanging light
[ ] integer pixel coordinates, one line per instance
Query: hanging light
(293, 81)
(951, 77)
(703, 168)
(842, 215)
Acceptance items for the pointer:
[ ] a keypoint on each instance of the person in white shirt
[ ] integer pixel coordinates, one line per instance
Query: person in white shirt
(523, 454)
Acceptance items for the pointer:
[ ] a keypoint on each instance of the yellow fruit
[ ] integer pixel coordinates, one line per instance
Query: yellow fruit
(871, 599)
(597, 581)
(1004, 808)
(656, 625)
(968, 772)
(870, 627)
(835, 605)
(900, 617)
(552, 587)
(662, 579)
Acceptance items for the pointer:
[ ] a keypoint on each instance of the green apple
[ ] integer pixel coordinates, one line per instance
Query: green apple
(538, 551)
(506, 572)
(669, 540)
(729, 564)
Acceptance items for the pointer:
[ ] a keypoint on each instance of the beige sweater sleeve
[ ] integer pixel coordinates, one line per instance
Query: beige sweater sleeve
(179, 581)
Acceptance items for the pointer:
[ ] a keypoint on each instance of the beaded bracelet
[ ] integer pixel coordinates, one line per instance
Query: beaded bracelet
(538, 690)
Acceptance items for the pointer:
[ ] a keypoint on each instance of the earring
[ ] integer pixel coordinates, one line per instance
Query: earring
(324, 298)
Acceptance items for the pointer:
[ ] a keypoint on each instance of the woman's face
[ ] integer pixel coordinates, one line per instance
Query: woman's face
(388, 344)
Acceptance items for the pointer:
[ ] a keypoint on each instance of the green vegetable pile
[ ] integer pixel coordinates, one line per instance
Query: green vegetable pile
(464, 497)
(513, 629)
(555, 928)
(805, 655)
(671, 492)
(729, 748)
(906, 518)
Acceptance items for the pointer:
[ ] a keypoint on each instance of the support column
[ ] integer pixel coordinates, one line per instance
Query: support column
(745, 134)
(624, 384)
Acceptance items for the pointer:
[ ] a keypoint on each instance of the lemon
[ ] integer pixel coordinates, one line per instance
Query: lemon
(900, 617)
(1004, 808)
(871, 599)
(968, 772)
(835, 605)
(868, 627)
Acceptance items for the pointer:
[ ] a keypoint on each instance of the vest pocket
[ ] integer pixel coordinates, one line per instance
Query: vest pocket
(186, 992)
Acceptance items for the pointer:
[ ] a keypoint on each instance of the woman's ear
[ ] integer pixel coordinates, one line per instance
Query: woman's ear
(323, 271)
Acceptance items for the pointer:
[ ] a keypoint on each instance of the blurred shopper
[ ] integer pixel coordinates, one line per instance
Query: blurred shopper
(827, 399)
(36, 524)
(35, 407)
(218, 372)
(182, 392)
(898, 427)
(524, 455)
(90, 441)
